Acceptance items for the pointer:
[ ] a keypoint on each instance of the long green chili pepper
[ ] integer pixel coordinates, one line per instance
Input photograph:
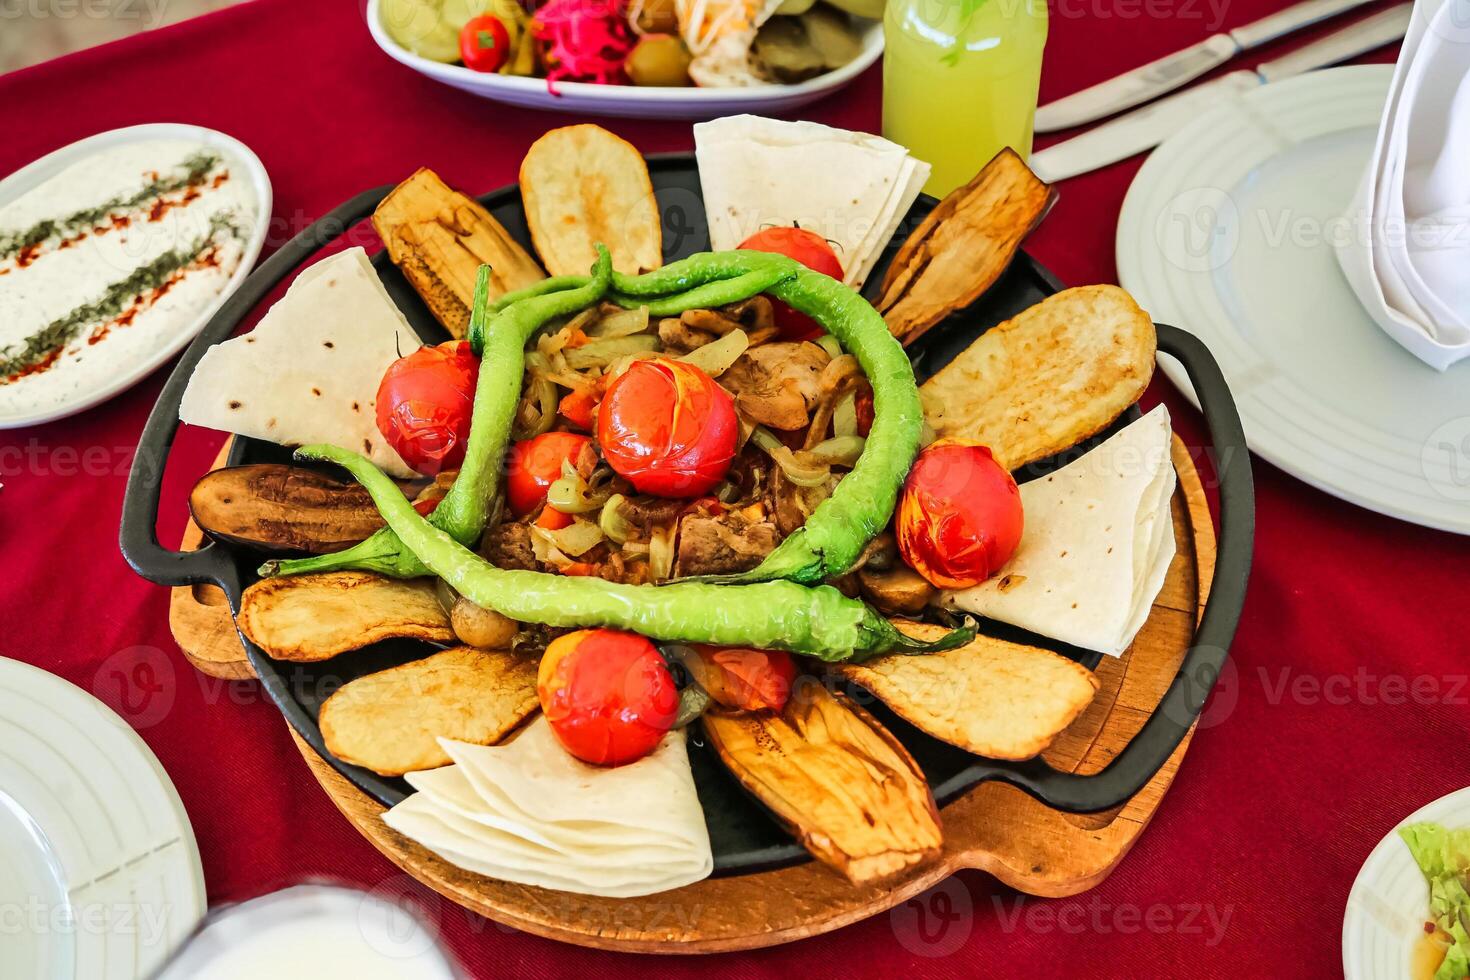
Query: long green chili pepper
(466, 507)
(697, 270)
(715, 293)
(817, 621)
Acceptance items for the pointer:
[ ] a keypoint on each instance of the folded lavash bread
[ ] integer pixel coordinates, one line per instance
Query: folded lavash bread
(309, 371)
(526, 811)
(1096, 547)
(853, 189)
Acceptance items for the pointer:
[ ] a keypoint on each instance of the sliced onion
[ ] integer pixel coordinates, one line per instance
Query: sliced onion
(543, 546)
(623, 323)
(715, 358)
(538, 404)
(602, 352)
(830, 344)
(661, 553)
(613, 523)
(844, 415)
(801, 474)
(573, 495)
(837, 451)
(578, 537)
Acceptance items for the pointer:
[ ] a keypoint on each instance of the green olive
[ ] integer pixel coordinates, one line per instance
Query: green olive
(658, 59)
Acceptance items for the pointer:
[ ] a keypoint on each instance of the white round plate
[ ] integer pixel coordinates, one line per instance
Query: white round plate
(1227, 232)
(1389, 903)
(632, 100)
(99, 873)
(129, 371)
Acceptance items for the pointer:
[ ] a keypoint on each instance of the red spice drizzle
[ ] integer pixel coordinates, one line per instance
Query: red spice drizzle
(208, 260)
(117, 222)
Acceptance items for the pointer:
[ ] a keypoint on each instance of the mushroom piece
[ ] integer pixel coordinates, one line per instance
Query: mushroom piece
(777, 384)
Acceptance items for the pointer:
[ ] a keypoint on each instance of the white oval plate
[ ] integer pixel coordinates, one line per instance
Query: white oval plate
(99, 872)
(129, 371)
(1226, 233)
(631, 100)
(1389, 903)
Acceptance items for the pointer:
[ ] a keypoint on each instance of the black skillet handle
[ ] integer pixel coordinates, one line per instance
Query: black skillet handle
(1132, 769)
(138, 536)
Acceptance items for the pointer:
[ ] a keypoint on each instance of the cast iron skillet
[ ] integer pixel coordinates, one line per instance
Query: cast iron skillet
(743, 835)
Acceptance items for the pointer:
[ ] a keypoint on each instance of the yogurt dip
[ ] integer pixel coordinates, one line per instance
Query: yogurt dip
(106, 262)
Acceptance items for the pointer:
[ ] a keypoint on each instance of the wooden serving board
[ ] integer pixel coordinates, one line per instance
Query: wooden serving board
(994, 828)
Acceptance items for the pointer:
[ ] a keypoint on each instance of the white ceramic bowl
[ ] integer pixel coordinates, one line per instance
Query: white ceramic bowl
(1389, 903)
(130, 370)
(630, 100)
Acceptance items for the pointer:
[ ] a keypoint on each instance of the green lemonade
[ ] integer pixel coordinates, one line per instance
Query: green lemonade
(959, 81)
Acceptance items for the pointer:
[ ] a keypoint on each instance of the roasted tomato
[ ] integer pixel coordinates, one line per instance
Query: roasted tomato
(750, 679)
(484, 43)
(959, 518)
(812, 251)
(607, 694)
(424, 405)
(535, 464)
(667, 428)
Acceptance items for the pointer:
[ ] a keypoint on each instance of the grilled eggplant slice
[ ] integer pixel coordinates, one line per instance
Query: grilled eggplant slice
(276, 508)
(439, 238)
(837, 779)
(305, 618)
(963, 246)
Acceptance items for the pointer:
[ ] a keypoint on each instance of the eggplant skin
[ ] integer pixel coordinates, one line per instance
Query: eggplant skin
(277, 508)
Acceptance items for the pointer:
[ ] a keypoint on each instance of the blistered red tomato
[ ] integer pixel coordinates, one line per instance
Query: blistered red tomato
(484, 43)
(424, 405)
(535, 464)
(607, 694)
(753, 680)
(812, 251)
(959, 518)
(668, 428)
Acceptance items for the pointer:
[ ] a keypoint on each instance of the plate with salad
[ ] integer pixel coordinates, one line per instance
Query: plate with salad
(604, 560)
(1409, 911)
(675, 59)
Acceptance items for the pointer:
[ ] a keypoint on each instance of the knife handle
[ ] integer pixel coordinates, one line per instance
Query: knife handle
(1384, 27)
(1293, 18)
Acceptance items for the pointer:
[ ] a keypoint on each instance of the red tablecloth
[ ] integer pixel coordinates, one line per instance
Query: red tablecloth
(1346, 706)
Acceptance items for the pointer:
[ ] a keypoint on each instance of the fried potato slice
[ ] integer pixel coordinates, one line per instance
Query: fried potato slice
(390, 722)
(1047, 378)
(305, 618)
(583, 185)
(837, 779)
(439, 238)
(990, 697)
(963, 246)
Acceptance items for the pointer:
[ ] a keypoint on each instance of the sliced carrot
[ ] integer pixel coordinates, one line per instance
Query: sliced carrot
(552, 519)
(578, 406)
(580, 568)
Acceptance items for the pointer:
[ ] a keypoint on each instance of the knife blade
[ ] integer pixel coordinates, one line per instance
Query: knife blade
(1173, 70)
(1145, 128)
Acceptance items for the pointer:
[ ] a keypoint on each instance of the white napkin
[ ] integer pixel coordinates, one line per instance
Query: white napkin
(1409, 257)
